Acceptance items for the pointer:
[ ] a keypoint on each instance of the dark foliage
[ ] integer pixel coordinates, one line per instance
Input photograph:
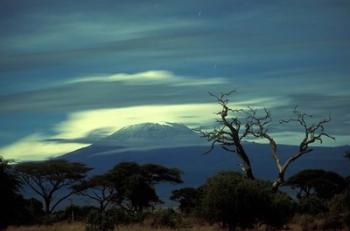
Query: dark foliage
(98, 221)
(167, 218)
(312, 205)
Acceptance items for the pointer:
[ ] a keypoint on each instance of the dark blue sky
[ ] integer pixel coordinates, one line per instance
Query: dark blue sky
(63, 61)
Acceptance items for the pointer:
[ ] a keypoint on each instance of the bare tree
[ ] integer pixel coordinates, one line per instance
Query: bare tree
(313, 132)
(230, 133)
(238, 124)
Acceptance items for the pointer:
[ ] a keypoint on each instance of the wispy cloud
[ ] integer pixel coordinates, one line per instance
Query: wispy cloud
(33, 147)
(77, 129)
(151, 77)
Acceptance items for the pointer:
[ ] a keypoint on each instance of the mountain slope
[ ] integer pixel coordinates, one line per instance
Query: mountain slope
(177, 146)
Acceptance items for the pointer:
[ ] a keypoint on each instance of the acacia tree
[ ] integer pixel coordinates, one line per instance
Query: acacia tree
(323, 184)
(100, 189)
(230, 135)
(52, 180)
(188, 198)
(135, 183)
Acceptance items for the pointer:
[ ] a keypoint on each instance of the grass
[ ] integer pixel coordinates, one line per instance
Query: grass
(145, 227)
(134, 227)
(81, 227)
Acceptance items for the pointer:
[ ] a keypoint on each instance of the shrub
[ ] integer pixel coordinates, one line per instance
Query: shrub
(307, 222)
(312, 205)
(331, 222)
(167, 218)
(280, 210)
(188, 199)
(235, 201)
(121, 216)
(98, 221)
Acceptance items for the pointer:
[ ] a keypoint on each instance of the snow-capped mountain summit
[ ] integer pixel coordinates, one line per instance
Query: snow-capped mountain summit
(152, 136)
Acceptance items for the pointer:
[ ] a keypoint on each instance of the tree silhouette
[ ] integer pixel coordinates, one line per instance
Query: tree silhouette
(52, 180)
(8, 193)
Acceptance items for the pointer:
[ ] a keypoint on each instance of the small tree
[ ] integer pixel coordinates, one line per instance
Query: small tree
(347, 154)
(187, 197)
(318, 182)
(52, 180)
(238, 124)
(135, 183)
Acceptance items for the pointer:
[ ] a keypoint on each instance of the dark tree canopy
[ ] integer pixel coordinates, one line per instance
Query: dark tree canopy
(52, 180)
(324, 184)
(134, 183)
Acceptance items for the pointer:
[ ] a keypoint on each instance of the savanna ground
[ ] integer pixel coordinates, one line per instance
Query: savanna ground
(134, 227)
(81, 227)
(142, 227)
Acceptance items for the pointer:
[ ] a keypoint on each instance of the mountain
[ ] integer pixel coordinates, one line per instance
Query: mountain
(152, 136)
(175, 145)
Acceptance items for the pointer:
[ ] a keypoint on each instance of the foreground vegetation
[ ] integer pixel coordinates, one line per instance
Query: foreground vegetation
(229, 200)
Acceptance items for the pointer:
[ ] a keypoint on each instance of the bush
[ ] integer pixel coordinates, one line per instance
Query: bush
(98, 221)
(188, 199)
(312, 205)
(340, 206)
(280, 210)
(307, 222)
(331, 222)
(74, 213)
(31, 212)
(235, 201)
(167, 218)
(121, 216)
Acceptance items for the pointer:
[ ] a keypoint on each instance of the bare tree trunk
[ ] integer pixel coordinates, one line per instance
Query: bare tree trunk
(247, 168)
(47, 202)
